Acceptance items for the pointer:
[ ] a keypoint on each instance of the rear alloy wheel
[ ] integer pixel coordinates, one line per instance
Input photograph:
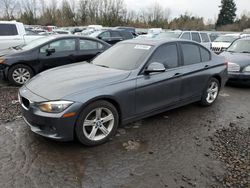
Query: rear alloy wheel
(211, 92)
(97, 123)
(20, 74)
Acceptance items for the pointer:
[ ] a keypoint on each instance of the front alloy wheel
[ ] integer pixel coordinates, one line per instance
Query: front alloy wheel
(97, 123)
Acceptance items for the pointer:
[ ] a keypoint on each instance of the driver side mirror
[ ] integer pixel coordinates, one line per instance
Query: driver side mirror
(155, 67)
(50, 51)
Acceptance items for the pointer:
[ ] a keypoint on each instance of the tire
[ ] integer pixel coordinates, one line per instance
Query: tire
(210, 93)
(92, 128)
(20, 74)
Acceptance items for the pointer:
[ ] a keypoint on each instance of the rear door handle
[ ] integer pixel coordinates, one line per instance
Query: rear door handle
(177, 74)
(206, 66)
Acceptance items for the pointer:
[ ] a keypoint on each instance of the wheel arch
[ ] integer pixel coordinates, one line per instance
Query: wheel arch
(109, 99)
(218, 77)
(22, 63)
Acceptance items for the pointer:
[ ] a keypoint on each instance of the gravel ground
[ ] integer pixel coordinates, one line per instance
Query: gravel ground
(183, 148)
(9, 106)
(232, 146)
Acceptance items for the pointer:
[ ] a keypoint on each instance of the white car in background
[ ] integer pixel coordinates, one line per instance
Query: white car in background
(155, 31)
(221, 43)
(13, 34)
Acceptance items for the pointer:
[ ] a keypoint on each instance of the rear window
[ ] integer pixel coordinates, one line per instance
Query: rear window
(186, 36)
(191, 53)
(90, 45)
(205, 55)
(115, 34)
(196, 37)
(127, 34)
(204, 37)
(8, 29)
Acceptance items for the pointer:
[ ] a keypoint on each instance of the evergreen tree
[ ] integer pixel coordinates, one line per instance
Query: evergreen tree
(227, 13)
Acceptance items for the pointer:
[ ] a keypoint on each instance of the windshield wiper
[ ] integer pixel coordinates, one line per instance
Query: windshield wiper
(102, 65)
(245, 52)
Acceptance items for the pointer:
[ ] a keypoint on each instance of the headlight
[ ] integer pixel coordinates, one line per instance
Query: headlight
(233, 67)
(2, 61)
(54, 106)
(247, 69)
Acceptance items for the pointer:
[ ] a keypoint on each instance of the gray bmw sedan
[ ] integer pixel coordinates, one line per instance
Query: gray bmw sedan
(132, 80)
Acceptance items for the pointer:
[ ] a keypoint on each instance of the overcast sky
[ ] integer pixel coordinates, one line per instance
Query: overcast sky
(204, 8)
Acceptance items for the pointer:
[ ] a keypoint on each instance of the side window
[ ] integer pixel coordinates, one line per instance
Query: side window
(205, 55)
(105, 34)
(196, 37)
(8, 29)
(191, 53)
(127, 34)
(115, 34)
(204, 37)
(166, 54)
(186, 36)
(90, 45)
(62, 45)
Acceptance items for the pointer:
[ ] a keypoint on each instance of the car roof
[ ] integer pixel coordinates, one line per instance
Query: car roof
(69, 36)
(232, 34)
(245, 38)
(154, 42)
(53, 37)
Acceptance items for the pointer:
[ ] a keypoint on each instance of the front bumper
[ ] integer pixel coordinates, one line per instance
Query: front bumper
(239, 77)
(49, 125)
(55, 128)
(2, 72)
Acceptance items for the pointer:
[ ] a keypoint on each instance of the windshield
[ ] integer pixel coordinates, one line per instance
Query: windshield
(169, 35)
(225, 38)
(123, 56)
(36, 43)
(95, 34)
(240, 46)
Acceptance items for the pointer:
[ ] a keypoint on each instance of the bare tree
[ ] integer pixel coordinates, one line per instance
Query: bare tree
(9, 8)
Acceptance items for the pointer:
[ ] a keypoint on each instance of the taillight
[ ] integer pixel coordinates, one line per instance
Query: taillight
(226, 63)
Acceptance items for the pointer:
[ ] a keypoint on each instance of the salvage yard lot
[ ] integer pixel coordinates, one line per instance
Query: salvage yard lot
(190, 146)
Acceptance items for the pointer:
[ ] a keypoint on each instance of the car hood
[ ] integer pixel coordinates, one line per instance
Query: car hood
(60, 82)
(7, 51)
(11, 52)
(221, 44)
(243, 59)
